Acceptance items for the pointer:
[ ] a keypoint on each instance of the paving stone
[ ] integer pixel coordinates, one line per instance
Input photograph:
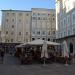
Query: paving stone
(11, 66)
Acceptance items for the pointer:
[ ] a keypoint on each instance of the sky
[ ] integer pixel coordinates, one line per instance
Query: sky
(25, 5)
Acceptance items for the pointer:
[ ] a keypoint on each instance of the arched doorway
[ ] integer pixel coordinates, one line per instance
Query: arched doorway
(71, 48)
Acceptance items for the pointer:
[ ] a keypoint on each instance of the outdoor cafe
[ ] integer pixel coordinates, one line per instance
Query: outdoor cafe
(40, 52)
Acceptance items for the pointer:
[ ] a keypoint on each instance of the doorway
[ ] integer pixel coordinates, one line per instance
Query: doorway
(71, 48)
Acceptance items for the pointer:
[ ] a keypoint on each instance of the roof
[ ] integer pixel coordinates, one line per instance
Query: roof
(41, 9)
(16, 10)
(28, 10)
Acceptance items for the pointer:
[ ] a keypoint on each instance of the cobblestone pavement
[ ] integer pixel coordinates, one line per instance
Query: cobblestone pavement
(52, 69)
(10, 60)
(9, 68)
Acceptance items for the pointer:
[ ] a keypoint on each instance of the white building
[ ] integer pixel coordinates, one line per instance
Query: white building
(43, 24)
(0, 35)
(65, 22)
(22, 26)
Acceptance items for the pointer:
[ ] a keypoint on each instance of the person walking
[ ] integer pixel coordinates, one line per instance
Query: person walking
(2, 54)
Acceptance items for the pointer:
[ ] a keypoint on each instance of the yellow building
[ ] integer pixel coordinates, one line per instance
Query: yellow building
(16, 26)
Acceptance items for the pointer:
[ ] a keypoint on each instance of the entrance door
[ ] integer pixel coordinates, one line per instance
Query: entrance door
(71, 48)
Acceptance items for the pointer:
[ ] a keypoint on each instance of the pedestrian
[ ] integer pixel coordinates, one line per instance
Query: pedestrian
(2, 54)
(70, 58)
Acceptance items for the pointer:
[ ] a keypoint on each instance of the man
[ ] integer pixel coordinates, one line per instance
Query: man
(2, 54)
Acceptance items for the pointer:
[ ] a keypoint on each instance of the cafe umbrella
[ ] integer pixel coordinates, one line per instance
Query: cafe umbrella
(44, 52)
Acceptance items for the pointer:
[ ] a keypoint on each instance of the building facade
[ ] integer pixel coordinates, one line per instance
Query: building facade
(16, 26)
(43, 24)
(0, 35)
(23, 26)
(65, 22)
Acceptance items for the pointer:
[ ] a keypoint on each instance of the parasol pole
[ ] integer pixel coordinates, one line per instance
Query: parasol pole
(44, 59)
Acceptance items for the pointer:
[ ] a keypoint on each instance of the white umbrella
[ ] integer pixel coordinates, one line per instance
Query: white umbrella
(44, 52)
(52, 43)
(21, 45)
(36, 42)
(40, 42)
(65, 51)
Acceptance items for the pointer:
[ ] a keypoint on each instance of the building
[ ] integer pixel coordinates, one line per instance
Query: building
(22, 26)
(0, 35)
(43, 24)
(65, 22)
(16, 26)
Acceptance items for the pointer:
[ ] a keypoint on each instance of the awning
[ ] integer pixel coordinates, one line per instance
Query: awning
(39, 42)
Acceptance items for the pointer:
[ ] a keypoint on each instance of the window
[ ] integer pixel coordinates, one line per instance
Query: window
(43, 32)
(20, 14)
(27, 14)
(39, 18)
(6, 32)
(38, 13)
(43, 14)
(34, 14)
(53, 32)
(68, 32)
(19, 20)
(33, 32)
(60, 34)
(73, 17)
(53, 40)
(53, 15)
(26, 33)
(44, 18)
(38, 32)
(64, 21)
(49, 33)
(53, 19)
(12, 20)
(48, 39)
(19, 33)
(11, 40)
(6, 40)
(12, 26)
(68, 19)
(26, 40)
(34, 18)
(48, 14)
(33, 39)
(64, 33)
(7, 14)
(7, 20)
(43, 38)
(13, 14)
(12, 33)
(74, 31)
